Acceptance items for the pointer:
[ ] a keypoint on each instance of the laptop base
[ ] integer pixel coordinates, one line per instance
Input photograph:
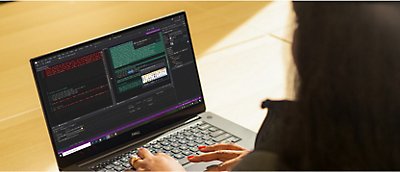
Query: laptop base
(247, 139)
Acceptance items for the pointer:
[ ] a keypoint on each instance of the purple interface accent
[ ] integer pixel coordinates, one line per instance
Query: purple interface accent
(133, 123)
(152, 31)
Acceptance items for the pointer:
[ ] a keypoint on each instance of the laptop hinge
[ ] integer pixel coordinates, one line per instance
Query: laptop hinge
(192, 119)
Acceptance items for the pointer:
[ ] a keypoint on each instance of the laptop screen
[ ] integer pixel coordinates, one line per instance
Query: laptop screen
(97, 90)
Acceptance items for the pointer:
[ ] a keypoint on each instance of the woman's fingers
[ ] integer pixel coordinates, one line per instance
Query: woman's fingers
(221, 155)
(228, 165)
(220, 146)
(140, 169)
(133, 160)
(138, 164)
(143, 153)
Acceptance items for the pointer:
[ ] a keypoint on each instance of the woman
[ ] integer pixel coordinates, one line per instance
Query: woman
(346, 114)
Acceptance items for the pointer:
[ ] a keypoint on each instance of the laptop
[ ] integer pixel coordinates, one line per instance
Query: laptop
(136, 87)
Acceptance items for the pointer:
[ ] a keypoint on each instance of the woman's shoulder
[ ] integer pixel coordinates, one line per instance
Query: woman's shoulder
(278, 126)
(281, 135)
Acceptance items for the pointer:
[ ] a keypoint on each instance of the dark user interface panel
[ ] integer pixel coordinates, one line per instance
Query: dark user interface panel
(97, 90)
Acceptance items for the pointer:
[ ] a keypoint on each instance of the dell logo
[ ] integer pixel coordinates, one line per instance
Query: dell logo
(135, 133)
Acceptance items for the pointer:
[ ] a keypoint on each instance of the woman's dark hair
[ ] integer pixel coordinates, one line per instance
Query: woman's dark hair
(347, 56)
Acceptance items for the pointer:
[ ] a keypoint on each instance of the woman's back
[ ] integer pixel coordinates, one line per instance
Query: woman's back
(348, 60)
(346, 115)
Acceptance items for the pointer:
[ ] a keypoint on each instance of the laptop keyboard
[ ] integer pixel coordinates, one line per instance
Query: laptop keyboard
(178, 145)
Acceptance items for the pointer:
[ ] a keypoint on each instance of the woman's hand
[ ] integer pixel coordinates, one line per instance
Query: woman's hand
(158, 162)
(229, 154)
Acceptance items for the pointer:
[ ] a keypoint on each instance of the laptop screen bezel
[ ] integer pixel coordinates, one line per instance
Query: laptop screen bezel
(126, 137)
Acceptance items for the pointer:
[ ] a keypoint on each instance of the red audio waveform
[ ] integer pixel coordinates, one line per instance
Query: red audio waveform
(69, 65)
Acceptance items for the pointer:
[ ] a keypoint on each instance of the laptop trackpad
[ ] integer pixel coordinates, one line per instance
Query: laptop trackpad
(202, 166)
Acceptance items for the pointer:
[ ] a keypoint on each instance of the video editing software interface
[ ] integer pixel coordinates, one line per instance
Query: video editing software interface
(97, 90)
